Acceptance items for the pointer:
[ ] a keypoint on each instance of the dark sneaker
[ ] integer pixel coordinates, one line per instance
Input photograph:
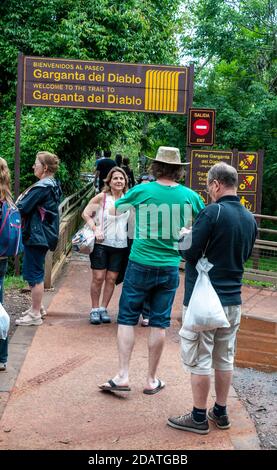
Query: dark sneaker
(95, 318)
(3, 366)
(221, 422)
(187, 423)
(104, 315)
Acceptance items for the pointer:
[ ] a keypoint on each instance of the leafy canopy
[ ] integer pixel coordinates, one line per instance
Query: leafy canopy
(233, 44)
(108, 30)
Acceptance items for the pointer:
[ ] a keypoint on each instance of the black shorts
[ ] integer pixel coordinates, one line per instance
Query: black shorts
(107, 257)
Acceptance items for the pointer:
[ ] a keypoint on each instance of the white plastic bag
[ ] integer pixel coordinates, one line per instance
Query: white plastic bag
(83, 240)
(4, 323)
(205, 311)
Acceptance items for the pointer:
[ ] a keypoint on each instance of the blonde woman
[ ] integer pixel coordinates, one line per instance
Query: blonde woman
(110, 242)
(39, 208)
(5, 196)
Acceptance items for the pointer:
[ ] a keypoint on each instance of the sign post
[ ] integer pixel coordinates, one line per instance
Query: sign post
(17, 125)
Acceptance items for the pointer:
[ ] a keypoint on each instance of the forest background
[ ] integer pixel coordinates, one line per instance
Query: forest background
(232, 44)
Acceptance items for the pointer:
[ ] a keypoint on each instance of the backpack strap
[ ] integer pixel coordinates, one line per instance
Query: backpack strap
(5, 219)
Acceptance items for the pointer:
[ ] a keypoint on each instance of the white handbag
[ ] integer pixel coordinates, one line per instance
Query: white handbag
(83, 240)
(4, 323)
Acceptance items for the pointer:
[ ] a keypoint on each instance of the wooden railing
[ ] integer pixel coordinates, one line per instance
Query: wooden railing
(70, 219)
(262, 266)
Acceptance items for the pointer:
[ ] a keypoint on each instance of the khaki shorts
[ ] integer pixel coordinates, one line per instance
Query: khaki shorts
(211, 349)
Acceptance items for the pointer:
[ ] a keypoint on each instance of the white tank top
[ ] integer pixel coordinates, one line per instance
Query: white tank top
(115, 227)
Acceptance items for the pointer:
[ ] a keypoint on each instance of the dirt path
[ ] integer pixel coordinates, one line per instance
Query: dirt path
(257, 390)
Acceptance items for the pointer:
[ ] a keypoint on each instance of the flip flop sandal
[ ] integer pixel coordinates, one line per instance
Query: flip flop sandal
(157, 389)
(113, 387)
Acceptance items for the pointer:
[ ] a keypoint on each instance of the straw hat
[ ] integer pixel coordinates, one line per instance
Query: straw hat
(170, 155)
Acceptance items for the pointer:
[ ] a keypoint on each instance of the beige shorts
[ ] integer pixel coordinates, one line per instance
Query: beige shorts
(211, 349)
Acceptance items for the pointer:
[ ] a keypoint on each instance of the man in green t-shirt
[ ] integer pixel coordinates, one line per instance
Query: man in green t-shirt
(161, 207)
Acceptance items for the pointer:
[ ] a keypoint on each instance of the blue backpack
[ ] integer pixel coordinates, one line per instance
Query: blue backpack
(10, 231)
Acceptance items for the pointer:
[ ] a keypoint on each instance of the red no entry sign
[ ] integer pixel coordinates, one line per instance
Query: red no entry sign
(201, 125)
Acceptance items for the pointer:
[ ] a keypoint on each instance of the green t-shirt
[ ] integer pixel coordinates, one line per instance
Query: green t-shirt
(160, 212)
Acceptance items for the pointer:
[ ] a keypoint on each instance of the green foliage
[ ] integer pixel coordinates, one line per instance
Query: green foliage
(14, 282)
(107, 30)
(231, 42)
(233, 45)
(250, 282)
(263, 263)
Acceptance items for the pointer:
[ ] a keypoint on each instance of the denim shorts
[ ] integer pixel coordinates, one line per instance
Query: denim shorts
(107, 257)
(157, 284)
(211, 349)
(33, 264)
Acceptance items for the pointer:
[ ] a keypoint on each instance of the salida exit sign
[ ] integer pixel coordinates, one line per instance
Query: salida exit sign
(201, 126)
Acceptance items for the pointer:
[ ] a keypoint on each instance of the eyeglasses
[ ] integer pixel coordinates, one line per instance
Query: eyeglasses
(207, 190)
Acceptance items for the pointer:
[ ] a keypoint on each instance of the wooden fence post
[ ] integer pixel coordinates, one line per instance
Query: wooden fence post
(48, 269)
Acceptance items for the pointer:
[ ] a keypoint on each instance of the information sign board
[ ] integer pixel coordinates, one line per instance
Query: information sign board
(105, 85)
(248, 165)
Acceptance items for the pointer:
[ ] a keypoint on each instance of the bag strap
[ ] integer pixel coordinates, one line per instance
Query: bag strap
(217, 217)
(103, 209)
(5, 220)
